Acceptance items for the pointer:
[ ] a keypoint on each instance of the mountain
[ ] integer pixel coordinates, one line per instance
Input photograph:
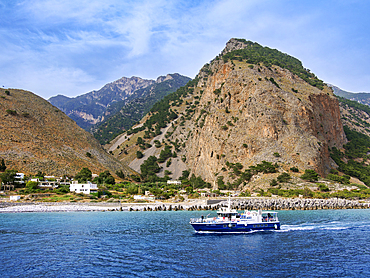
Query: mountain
(248, 106)
(37, 136)
(89, 109)
(355, 115)
(125, 114)
(363, 98)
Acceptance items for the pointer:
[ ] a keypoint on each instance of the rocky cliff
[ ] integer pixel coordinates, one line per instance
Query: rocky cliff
(252, 104)
(251, 119)
(37, 136)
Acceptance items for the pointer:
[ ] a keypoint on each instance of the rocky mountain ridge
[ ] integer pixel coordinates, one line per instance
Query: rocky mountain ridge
(89, 109)
(122, 115)
(363, 98)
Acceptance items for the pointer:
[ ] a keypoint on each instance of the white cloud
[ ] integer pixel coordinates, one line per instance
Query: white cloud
(83, 43)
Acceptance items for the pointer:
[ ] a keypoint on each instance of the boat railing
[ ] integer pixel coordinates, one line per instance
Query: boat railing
(196, 220)
(269, 219)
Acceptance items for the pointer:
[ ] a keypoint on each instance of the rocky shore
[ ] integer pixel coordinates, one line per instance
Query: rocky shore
(239, 203)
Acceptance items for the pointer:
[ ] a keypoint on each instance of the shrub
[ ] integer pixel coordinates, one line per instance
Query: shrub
(284, 177)
(120, 174)
(323, 187)
(310, 175)
(11, 112)
(273, 182)
(294, 169)
(276, 154)
(139, 154)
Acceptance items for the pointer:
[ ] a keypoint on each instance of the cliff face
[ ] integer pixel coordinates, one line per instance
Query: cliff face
(252, 113)
(36, 136)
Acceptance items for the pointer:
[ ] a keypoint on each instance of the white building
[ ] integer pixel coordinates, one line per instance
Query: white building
(174, 182)
(19, 178)
(85, 188)
(140, 197)
(15, 198)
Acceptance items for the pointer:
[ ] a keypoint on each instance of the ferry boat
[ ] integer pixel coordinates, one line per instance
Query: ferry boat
(229, 220)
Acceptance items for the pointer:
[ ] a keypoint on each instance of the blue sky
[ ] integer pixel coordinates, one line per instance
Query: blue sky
(70, 47)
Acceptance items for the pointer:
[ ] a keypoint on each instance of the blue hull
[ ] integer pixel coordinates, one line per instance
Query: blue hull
(234, 227)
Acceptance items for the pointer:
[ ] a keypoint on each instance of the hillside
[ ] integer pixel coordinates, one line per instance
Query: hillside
(363, 98)
(248, 105)
(124, 114)
(89, 109)
(36, 136)
(355, 115)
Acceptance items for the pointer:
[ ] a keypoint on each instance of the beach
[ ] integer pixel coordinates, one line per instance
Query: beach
(201, 204)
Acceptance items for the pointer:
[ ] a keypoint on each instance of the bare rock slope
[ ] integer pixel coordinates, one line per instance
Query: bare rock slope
(36, 136)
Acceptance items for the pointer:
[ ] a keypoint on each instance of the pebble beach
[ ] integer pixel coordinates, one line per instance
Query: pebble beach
(240, 204)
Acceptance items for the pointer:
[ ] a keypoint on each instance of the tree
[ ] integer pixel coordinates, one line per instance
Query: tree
(32, 185)
(8, 176)
(149, 167)
(273, 182)
(84, 175)
(120, 174)
(110, 180)
(284, 177)
(294, 169)
(185, 175)
(132, 189)
(139, 154)
(310, 175)
(2, 166)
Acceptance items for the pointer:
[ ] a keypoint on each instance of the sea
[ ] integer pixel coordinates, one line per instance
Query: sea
(322, 243)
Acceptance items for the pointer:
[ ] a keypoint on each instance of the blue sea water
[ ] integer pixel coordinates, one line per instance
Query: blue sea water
(327, 243)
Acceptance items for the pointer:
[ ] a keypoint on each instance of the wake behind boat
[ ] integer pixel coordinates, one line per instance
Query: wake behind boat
(230, 220)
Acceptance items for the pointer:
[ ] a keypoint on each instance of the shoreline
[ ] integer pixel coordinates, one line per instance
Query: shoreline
(248, 203)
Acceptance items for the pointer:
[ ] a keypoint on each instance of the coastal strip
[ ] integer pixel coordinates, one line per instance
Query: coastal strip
(213, 204)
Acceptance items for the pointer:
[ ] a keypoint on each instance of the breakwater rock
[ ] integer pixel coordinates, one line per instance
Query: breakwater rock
(264, 204)
(295, 204)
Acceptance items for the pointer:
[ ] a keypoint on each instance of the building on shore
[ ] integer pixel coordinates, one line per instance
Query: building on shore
(85, 188)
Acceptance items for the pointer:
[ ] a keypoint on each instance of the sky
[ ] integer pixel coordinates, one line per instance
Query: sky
(71, 47)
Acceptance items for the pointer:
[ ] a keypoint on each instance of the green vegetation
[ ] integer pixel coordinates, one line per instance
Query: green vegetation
(284, 177)
(2, 165)
(8, 176)
(165, 154)
(84, 175)
(120, 174)
(149, 169)
(139, 154)
(310, 175)
(105, 178)
(256, 54)
(356, 149)
(11, 112)
(294, 169)
(323, 193)
(272, 80)
(126, 114)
